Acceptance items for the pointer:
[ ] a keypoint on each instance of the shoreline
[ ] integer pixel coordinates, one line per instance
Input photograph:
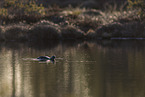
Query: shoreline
(50, 32)
(74, 24)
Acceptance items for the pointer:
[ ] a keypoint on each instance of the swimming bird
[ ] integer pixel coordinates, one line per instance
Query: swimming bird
(45, 58)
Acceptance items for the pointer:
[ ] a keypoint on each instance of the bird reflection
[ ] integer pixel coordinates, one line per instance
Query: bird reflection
(46, 61)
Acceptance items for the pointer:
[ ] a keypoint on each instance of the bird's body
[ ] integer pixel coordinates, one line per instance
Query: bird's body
(45, 58)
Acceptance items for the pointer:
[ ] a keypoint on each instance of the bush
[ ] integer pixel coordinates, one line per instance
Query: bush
(34, 9)
(70, 32)
(3, 12)
(1, 33)
(20, 7)
(139, 5)
(43, 33)
(16, 33)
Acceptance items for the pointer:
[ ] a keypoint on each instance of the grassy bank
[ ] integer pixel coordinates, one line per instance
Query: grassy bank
(72, 23)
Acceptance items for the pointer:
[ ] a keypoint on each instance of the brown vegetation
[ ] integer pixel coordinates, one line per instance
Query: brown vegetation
(57, 23)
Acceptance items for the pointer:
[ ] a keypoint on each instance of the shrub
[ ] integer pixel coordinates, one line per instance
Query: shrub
(3, 12)
(15, 33)
(87, 23)
(138, 4)
(73, 11)
(43, 33)
(34, 9)
(1, 33)
(29, 7)
(70, 32)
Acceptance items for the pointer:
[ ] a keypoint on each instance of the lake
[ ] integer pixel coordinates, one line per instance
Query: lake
(102, 68)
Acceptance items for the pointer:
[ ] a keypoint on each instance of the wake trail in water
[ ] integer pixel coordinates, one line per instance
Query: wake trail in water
(81, 61)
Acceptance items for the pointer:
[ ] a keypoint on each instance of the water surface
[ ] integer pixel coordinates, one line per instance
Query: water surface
(111, 68)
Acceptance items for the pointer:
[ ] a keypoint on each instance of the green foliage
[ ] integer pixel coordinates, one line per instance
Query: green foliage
(138, 4)
(33, 8)
(3, 12)
(73, 11)
(27, 7)
(9, 3)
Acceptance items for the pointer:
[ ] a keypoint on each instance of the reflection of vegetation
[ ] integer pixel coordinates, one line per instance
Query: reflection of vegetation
(88, 69)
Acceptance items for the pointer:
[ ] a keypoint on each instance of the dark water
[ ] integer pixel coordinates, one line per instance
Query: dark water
(82, 69)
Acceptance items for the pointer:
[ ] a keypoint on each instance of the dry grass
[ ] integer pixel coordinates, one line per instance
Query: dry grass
(1, 33)
(15, 32)
(70, 32)
(76, 23)
(43, 33)
(131, 29)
